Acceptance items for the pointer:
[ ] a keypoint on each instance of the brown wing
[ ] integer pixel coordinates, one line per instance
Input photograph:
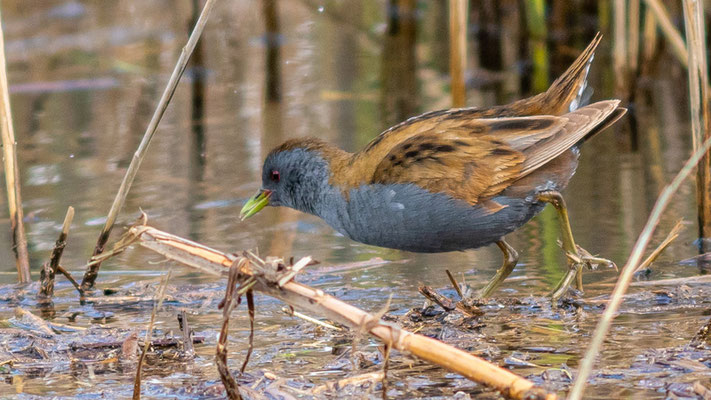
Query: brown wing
(480, 158)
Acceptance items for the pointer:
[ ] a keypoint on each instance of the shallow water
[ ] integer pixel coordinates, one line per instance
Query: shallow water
(85, 77)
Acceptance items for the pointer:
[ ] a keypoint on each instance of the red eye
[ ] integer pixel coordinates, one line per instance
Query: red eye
(274, 176)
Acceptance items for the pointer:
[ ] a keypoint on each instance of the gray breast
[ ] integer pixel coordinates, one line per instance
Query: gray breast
(407, 217)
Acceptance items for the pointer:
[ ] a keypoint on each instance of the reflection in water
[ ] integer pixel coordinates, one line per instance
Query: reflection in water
(267, 71)
(399, 62)
(198, 145)
(273, 42)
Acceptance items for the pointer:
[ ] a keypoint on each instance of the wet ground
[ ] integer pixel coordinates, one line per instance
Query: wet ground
(85, 77)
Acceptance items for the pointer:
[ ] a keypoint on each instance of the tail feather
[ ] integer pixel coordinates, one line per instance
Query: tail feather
(570, 90)
(567, 93)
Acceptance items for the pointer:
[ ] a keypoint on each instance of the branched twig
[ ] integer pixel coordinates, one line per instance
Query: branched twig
(231, 386)
(93, 269)
(317, 302)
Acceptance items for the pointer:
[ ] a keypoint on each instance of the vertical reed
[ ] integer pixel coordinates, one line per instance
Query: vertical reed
(12, 173)
(699, 106)
(650, 37)
(49, 270)
(619, 49)
(93, 270)
(667, 27)
(458, 13)
(633, 19)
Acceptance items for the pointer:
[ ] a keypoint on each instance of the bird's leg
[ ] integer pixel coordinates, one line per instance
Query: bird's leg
(510, 260)
(577, 256)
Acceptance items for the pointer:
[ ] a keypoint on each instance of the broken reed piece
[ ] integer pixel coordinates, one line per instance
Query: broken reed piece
(92, 270)
(317, 302)
(158, 303)
(12, 174)
(187, 334)
(50, 268)
(227, 304)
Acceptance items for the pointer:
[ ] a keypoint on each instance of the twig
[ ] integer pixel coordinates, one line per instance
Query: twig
(12, 174)
(448, 304)
(49, 270)
(458, 50)
(69, 277)
(166, 342)
(671, 236)
(93, 271)
(353, 380)
(317, 302)
(454, 284)
(431, 295)
(628, 271)
(250, 310)
(386, 365)
(290, 311)
(147, 342)
(228, 381)
(187, 334)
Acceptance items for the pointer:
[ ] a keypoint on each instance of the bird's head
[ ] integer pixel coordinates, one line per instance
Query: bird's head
(294, 175)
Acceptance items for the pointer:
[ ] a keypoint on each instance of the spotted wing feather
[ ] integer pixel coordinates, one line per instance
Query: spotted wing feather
(480, 158)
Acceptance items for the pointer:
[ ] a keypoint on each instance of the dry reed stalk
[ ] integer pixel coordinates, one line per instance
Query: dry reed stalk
(158, 303)
(700, 120)
(619, 49)
(12, 173)
(623, 282)
(671, 236)
(214, 262)
(187, 334)
(650, 37)
(49, 270)
(227, 304)
(667, 27)
(93, 270)
(458, 50)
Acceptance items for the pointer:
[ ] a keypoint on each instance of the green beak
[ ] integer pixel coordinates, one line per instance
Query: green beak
(255, 204)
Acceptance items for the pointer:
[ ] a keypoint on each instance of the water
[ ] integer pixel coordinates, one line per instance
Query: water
(85, 78)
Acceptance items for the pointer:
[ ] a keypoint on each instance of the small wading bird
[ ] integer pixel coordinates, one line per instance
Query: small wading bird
(449, 180)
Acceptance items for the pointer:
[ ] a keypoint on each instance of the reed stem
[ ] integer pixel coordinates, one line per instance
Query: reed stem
(458, 50)
(699, 107)
(12, 173)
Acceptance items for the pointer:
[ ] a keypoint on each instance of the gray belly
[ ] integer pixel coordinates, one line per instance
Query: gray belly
(407, 217)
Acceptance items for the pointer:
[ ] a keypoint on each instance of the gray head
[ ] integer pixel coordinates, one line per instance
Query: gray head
(294, 175)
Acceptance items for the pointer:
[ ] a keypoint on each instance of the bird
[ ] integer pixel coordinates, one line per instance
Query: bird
(450, 180)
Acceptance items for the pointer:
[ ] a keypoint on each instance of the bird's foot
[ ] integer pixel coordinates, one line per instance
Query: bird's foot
(590, 261)
(576, 261)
